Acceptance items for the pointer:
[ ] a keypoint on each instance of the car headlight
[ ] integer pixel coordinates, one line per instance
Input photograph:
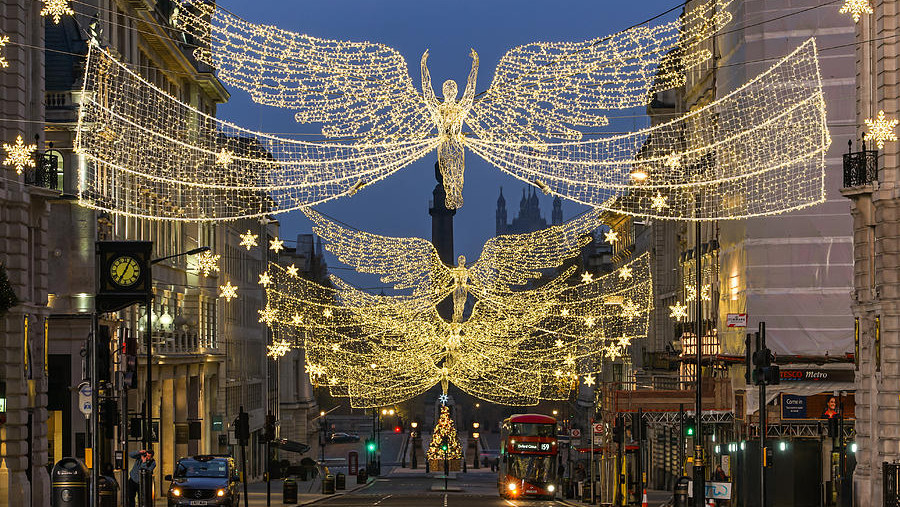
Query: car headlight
(220, 492)
(511, 486)
(551, 488)
(176, 491)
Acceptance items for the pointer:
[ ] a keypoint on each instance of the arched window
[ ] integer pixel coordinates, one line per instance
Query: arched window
(58, 178)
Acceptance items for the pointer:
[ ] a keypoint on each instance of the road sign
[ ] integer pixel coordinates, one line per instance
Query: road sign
(84, 399)
(575, 433)
(737, 320)
(598, 430)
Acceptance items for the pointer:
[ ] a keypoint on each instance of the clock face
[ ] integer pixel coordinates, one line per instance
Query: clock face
(125, 271)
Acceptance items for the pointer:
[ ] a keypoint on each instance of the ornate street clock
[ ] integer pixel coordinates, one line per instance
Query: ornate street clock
(123, 274)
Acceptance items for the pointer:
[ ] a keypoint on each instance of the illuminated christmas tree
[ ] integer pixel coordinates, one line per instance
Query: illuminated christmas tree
(444, 442)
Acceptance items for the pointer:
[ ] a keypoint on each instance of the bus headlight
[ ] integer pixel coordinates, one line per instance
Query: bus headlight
(551, 488)
(511, 486)
(221, 492)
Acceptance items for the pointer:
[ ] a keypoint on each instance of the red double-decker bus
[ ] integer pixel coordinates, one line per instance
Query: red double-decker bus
(528, 456)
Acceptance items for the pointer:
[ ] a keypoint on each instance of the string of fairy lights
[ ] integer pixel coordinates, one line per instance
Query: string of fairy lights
(521, 328)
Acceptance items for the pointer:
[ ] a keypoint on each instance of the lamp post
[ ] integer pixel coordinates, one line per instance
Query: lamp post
(475, 435)
(324, 424)
(414, 436)
(149, 346)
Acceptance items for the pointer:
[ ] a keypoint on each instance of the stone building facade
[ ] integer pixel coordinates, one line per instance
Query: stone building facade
(876, 226)
(24, 222)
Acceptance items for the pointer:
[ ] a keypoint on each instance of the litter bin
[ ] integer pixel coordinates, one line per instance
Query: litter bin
(681, 492)
(340, 481)
(328, 484)
(289, 491)
(108, 489)
(567, 487)
(69, 484)
(362, 476)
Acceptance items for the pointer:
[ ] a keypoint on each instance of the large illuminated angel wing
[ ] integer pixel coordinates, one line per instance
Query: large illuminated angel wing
(512, 260)
(545, 90)
(407, 263)
(757, 150)
(355, 89)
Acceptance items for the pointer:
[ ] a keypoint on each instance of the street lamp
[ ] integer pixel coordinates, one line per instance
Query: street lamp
(415, 437)
(324, 423)
(149, 345)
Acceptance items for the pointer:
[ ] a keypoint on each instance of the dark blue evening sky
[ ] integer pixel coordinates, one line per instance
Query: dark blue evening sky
(398, 205)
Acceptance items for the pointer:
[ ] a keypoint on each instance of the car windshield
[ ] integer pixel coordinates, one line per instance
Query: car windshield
(534, 469)
(215, 468)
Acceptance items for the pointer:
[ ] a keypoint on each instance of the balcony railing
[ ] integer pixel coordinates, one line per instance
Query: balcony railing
(861, 167)
(44, 173)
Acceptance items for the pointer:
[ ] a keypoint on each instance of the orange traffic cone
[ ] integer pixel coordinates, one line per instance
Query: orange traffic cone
(645, 502)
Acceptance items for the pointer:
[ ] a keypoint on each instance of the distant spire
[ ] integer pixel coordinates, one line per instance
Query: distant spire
(556, 217)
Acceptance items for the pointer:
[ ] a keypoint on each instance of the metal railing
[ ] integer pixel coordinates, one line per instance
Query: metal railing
(861, 167)
(44, 173)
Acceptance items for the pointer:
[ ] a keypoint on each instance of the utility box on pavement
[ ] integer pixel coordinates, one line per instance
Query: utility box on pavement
(340, 481)
(69, 484)
(289, 492)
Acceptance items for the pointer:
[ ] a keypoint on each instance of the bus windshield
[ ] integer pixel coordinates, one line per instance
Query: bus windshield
(532, 430)
(533, 469)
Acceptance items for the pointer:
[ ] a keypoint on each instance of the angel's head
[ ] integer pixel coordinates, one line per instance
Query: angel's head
(450, 91)
(461, 261)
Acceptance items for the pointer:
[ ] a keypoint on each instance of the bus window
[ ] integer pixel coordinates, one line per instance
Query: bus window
(532, 430)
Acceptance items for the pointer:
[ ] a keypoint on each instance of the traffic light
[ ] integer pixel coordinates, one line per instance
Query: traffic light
(270, 428)
(102, 353)
(242, 427)
(619, 429)
(398, 429)
(129, 377)
(370, 446)
(109, 417)
(690, 426)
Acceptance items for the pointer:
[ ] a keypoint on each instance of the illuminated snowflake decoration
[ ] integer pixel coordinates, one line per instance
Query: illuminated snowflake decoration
(19, 155)
(327, 313)
(265, 279)
(856, 8)
(248, 240)
(296, 319)
(315, 370)
(678, 311)
(589, 321)
(224, 158)
(625, 273)
(292, 270)
(611, 237)
(558, 343)
(564, 312)
(276, 245)
(208, 262)
(229, 291)
(570, 360)
(267, 315)
(623, 341)
(279, 348)
(443, 399)
(630, 310)
(658, 202)
(587, 277)
(881, 129)
(57, 9)
(589, 380)
(3, 62)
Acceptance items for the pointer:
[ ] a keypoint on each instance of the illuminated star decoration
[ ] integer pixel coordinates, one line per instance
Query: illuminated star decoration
(296, 319)
(3, 41)
(248, 240)
(589, 321)
(19, 154)
(881, 129)
(587, 277)
(856, 8)
(611, 236)
(224, 158)
(630, 310)
(265, 279)
(678, 311)
(659, 202)
(558, 343)
(276, 245)
(279, 348)
(292, 270)
(443, 399)
(57, 9)
(328, 313)
(625, 273)
(229, 291)
(208, 262)
(589, 380)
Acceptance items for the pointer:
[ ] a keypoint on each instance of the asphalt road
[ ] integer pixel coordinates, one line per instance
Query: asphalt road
(416, 490)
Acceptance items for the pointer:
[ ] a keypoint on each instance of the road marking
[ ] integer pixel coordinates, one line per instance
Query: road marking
(445, 499)
(383, 499)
